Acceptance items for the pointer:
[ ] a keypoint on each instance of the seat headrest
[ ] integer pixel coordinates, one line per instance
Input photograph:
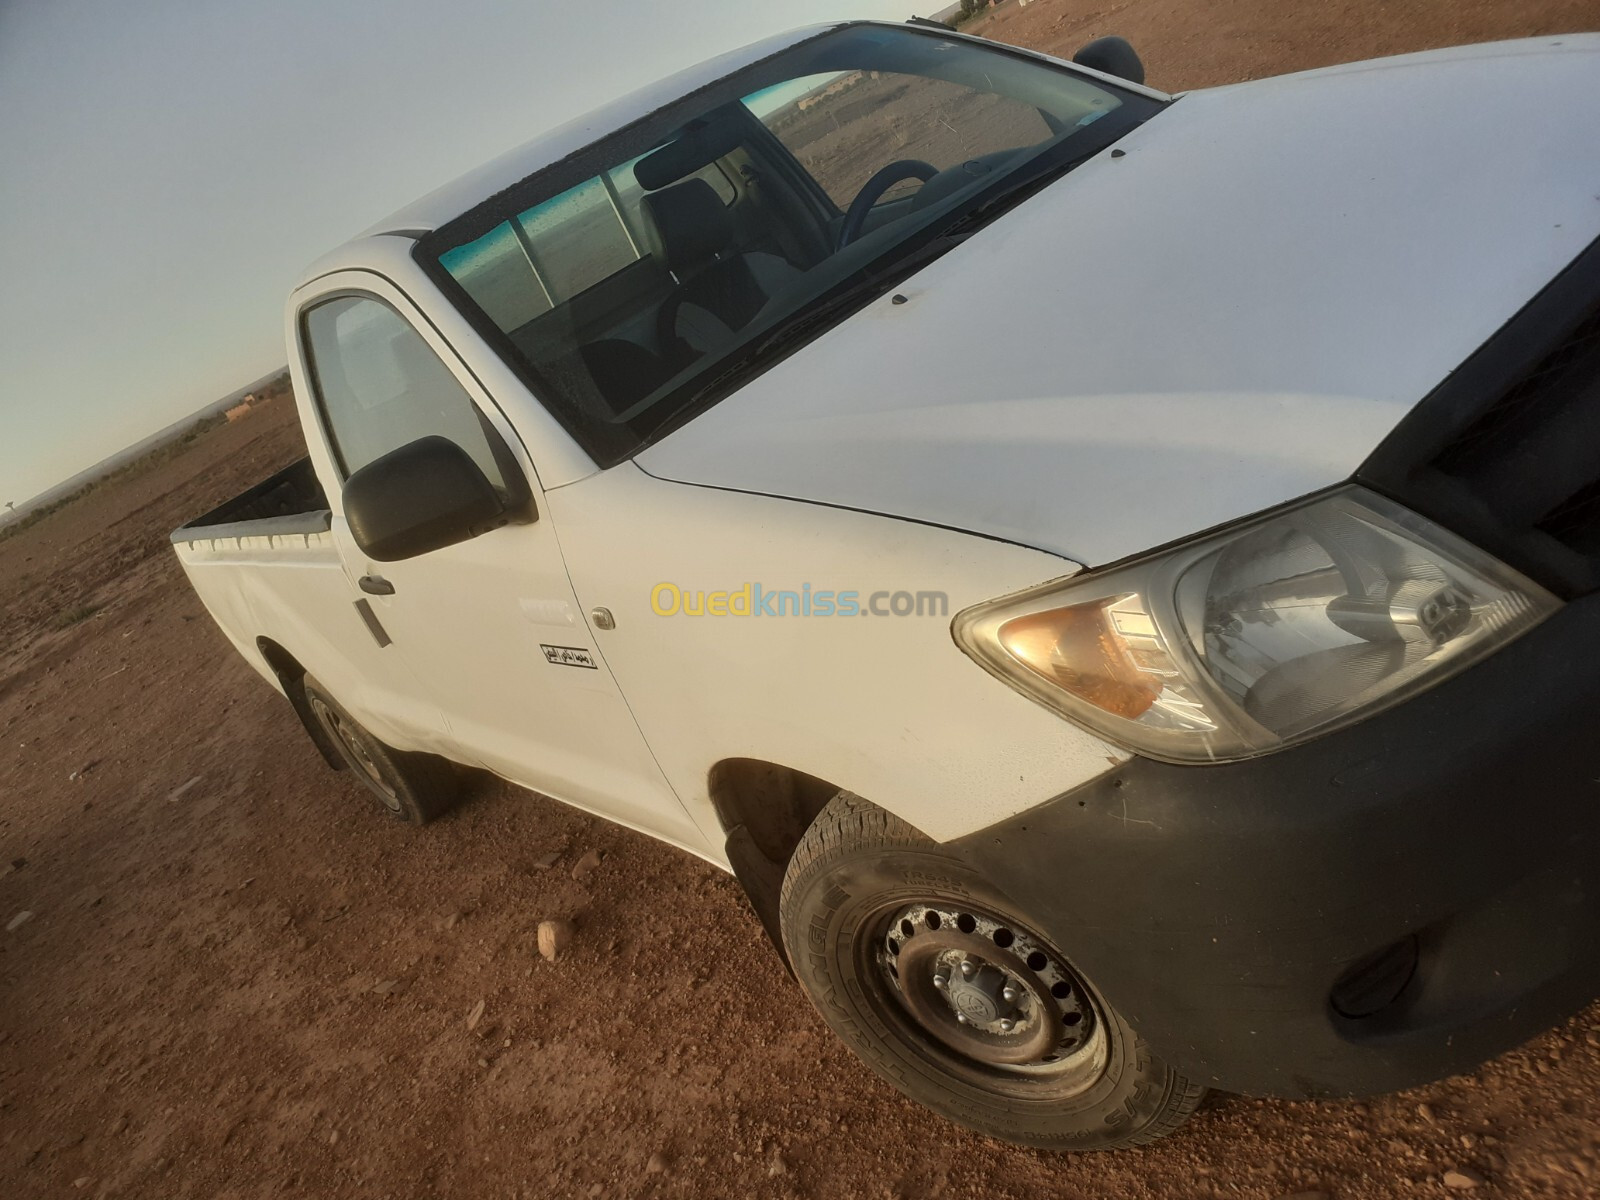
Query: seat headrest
(687, 225)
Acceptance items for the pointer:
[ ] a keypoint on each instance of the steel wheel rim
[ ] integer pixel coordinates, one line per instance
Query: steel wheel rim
(1047, 1038)
(354, 746)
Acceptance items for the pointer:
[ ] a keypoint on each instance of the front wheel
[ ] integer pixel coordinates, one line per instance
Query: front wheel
(946, 991)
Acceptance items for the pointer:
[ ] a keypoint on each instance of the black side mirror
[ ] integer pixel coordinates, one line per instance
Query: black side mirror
(424, 496)
(1114, 56)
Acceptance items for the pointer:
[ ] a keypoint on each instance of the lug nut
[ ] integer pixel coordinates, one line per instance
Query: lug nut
(1008, 994)
(940, 981)
(1007, 1025)
(962, 1018)
(967, 968)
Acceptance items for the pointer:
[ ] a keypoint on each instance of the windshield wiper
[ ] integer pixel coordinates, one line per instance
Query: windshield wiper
(867, 286)
(1018, 187)
(813, 319)
(874, 282)
(858, 292)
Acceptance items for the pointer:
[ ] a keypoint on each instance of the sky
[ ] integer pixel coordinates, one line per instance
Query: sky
(169, 167)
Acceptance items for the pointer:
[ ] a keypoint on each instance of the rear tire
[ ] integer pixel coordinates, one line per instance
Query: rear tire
(408, 786)
(987, 1024)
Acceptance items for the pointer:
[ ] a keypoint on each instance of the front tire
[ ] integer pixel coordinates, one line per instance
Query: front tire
(940, 986)
(409, 786)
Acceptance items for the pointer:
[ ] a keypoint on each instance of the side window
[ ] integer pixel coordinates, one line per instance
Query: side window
(837, 125)
(382, 387)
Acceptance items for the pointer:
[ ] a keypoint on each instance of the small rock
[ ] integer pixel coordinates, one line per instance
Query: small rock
(777, 1166)
(658, 1164)
(333, 1138)
(1462, 1179)
(82, 1181)
(178, 792)
(586, 865)
(387, 987)
(118, 1125)
(18, 921)
(1306, 1196)
(545, 861)
(1425, 1111)
(554, 937)
(450, 921)
(483, 1062)
(476, 1014)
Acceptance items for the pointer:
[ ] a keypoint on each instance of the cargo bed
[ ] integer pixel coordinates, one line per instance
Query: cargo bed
(290, 502)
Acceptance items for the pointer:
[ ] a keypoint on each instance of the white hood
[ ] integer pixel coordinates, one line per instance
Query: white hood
(1231, 314)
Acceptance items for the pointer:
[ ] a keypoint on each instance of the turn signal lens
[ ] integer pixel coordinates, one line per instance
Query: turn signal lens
(1107, 653)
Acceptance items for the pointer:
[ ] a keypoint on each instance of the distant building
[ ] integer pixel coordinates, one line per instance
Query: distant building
(252, 400)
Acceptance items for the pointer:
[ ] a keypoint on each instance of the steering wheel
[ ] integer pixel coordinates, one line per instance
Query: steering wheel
(872, 191)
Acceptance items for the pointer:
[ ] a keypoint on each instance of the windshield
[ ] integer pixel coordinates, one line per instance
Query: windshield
(641, 279)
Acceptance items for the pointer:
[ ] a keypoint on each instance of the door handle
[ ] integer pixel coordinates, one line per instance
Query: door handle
(376, 585)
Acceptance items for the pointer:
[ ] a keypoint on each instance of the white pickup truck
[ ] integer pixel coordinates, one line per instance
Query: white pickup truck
(1113, 575)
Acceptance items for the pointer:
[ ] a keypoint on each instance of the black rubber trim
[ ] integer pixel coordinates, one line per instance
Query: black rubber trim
(374, 626)
(291, 680)
(1218, 907)
(1402, 466)
(762, 881)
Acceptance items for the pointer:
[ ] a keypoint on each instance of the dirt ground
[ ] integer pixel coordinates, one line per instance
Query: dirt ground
(238, 980)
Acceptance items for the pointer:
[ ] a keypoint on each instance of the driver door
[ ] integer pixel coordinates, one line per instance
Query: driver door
(489, 626)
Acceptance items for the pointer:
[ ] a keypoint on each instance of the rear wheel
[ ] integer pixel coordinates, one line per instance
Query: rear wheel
(410, 787)
(945, 990)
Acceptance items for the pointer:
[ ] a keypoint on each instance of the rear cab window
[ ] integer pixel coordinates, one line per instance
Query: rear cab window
(547, 255)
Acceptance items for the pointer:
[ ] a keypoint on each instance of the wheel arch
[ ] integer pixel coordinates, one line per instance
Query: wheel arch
(291, 678)
(764, 809)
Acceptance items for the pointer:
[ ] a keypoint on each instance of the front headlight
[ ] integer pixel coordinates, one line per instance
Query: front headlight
(1268, 633)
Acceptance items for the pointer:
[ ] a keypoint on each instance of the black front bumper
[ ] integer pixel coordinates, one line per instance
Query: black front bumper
(1221, 908)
